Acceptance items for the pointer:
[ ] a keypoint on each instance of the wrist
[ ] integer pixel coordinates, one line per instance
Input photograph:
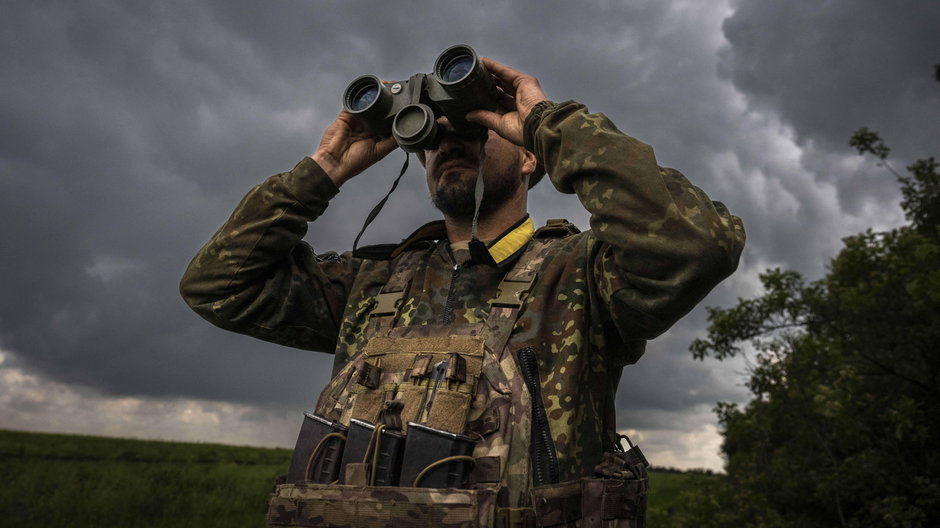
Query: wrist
(531, 124)
(330, 166)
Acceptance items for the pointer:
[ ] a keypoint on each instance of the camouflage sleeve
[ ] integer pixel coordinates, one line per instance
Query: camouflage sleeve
(659, 244)
(255, 276)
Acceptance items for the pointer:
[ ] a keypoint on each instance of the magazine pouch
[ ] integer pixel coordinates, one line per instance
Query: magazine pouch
(436, 459)
(318, 450)
(378, 453)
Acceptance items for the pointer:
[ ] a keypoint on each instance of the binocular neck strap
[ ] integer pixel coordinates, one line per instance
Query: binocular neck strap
(478, 248)
(378, 207)
(478, 191)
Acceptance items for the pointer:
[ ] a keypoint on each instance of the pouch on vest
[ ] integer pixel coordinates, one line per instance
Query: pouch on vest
(372, 456)
(435, 458)
(318, 450)
(615, 497)
(402, 368)
(320, 505)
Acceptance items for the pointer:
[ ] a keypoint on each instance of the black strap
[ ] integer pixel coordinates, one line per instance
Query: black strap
(477, 248)
(478, 190)
(378, 207)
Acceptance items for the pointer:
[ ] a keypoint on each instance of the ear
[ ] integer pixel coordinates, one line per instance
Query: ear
(528, 162)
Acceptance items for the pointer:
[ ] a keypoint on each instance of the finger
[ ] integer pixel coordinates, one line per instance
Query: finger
(503, 83)
(384, 147)
(352, 122)
(500, 70)
(507, 89)
(505, 100)
(346, 117)
(484, 117)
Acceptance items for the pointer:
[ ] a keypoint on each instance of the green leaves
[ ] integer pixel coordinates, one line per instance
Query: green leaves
(921, 192)
(845, 376)
(869, 142)
(779, 313)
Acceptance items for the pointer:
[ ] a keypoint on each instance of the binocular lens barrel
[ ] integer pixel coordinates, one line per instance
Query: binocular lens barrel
(415, 128)
(363, 97)
(362, 93)
(457, 69)
(455, 64)
(371, 100)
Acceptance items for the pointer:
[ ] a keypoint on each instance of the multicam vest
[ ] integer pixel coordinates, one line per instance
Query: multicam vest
(657, 246)
(488, 393)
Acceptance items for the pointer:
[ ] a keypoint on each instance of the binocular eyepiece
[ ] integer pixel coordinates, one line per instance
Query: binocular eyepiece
(408, 110)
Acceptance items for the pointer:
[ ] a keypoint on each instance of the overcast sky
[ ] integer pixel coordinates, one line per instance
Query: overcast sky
(131, 129)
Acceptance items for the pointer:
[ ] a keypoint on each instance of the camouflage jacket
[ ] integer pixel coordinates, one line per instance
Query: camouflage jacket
(657, 245)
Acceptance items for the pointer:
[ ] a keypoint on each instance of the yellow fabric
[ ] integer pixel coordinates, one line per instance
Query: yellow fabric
(513, 241)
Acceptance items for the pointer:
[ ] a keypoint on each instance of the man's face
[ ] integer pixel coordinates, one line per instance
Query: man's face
(452, 172)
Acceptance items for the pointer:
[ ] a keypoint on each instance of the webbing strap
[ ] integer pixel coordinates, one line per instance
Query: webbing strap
(386, 303)
(512, 293)
(513, 290)
(516, 284)
(388, 300)
(515, 518)
(308, 505)
(502, 316)
(593, 501)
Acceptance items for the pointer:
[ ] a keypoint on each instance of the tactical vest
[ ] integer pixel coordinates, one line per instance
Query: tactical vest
(443, 425)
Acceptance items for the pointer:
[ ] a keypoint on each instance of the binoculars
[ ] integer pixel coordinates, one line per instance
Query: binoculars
(408, 110)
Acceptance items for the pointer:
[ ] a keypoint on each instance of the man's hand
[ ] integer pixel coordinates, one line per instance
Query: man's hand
(518, 93)
(348, 147)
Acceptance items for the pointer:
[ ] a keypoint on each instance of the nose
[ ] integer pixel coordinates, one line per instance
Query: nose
(450, 144)
(450, 141)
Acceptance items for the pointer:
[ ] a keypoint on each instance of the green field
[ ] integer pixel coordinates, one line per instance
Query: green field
(85, 481)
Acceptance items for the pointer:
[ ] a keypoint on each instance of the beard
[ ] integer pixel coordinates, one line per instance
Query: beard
(456, 199)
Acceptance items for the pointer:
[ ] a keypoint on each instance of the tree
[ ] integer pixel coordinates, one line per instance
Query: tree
(844, 372)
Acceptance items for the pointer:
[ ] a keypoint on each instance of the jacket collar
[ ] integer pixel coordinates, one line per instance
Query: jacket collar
(498, 252)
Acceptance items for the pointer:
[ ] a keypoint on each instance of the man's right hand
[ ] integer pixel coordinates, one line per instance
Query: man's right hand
(518, 94)
(348, 147)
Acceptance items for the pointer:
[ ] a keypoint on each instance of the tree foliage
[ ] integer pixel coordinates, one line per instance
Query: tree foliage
(844, 372)
(920, 190)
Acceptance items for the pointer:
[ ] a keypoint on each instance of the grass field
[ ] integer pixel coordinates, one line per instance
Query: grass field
(85, 481)
(665, 493)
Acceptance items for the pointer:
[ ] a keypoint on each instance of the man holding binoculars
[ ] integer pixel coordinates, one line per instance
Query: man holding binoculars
(476, 362)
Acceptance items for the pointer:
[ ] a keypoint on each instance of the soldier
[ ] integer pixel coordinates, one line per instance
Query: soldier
(539, 322)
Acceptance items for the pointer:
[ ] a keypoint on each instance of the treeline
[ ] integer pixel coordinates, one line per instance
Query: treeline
(693, 471)
(843, 424)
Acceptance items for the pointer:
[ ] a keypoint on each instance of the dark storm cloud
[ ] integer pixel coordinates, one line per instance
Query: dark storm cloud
(829, 68)
(822, 65)
(114, 119)
(131, 130)
(821, 71)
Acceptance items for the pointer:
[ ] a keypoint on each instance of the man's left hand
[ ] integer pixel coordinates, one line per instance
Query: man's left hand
(518, 93)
